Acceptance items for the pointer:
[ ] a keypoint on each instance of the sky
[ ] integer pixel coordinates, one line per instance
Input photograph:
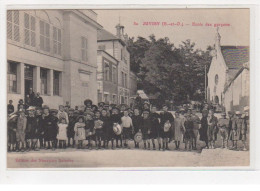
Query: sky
(237, 33)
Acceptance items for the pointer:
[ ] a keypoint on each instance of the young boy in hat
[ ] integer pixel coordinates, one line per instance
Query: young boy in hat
(50, 125)
(146, 128)
(155, 127)
(89, 130)
(166, 118)
(12, 125)
(137, 123)
(244, 131)
(204, 128)
(115, 118)
(230, 120)
(70, 130)
(212, 129)
(31, 129)
(20, 130)
(128, 128)
(223, 129)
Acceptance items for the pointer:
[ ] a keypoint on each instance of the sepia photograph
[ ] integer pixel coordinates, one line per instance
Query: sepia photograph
(128, 88)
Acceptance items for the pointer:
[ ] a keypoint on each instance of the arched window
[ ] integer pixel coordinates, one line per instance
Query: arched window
(216, 79)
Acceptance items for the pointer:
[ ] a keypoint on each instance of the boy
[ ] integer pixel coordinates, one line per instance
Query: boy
(89, 129)
(212, 129)
(98, 129)
(178, 129)
(146, 128)
(39, 118)
(137, 123)
(196, 123)
(223, 129)
(20, 130)
(166, 117)
(237, 124)
(188, 135)
(115, 118)
(155, 127)
(128, 128)
(106, 123)
(71, 124)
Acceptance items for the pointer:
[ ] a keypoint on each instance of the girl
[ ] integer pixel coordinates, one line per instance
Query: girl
(62, 133)
(178, 129)
(155, 127)
(80, 134)
(115, 118)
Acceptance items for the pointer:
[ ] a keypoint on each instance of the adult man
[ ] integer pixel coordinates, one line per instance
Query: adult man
(237, 124)
(38, 101)
(31, 96)
(223, 123)
(156, 131)
(166, 120)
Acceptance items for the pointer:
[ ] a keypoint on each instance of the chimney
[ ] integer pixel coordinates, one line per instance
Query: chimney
(118, 30)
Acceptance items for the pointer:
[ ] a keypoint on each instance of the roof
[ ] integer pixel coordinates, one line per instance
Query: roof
(103, 51)
(235, 56)
(104, 35)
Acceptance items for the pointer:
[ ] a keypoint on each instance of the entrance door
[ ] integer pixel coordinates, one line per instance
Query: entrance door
(28, 79)
(27, 85)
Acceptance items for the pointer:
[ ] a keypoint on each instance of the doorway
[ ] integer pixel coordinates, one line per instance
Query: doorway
(28, 79)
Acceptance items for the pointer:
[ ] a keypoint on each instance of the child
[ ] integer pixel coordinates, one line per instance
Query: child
(50, 128)
(98, 126)
(80, 134)
(137, 123)
(40, 132)
(31, 130)
(146, 128)
(20, 130)
(212, 129)
(115, 118)
(155, 127)
(12, 125)
(89, 129)
(178, 129)
(196, 123)
(223, 129)
(106, 124)
(128, 128)
(62, 133)
(71, 124)
(188, 135)
(236, 129)
(62, 113)
(20, 105)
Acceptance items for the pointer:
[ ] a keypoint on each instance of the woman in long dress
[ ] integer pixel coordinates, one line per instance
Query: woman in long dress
(178, 129)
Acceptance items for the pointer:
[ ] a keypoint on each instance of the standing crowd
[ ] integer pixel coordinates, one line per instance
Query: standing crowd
(105, 126)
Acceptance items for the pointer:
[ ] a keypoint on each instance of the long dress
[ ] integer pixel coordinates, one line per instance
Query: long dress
(204, 129)
(80, 133)
(178, 128)
(62, 133)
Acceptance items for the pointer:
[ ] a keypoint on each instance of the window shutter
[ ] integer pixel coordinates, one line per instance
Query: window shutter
(9, 16)
(16, 17)
(59, 35)
(41, 28)
(33, 43)
(9, 30)
(47, 39)
(16, 33)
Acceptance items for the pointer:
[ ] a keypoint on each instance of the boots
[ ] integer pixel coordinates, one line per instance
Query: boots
(145, 146)
(148, 145)
(153, 146)
(160, 146)
(167, 148)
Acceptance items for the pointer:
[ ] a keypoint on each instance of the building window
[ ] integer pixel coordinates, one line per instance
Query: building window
(114, 75)
(13, 29)
(29, 30)
(56, 40)
(44, 81)
(12, 77)
(56, 83)
(44, 36)
(106, 71)
(216, 79)
(84, 49)
(114, 99)
(106, 97)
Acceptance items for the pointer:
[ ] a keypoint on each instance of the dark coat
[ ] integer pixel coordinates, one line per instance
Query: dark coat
(10, 109)
(70, 129)
(137, 122)
(31, 131)
(38, 101)
(204, 129)
(50, 127)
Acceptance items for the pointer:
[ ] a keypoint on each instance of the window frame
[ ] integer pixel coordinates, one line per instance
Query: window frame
(45, 90)
(9, 73)
(13, 26)
(46, 38)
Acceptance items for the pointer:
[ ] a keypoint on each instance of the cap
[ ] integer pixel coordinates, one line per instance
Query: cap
(238, 113)
(31, 108)
(54, 111)
(146, 111)
(87, 101)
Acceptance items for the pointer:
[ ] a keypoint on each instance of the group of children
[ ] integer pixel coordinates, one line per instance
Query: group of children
(98, 126)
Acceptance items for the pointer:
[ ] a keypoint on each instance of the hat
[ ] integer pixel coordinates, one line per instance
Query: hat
(117, 129)
(138, 137)
(81, 116)
(246, 108)
(238, 113)
(223, 113)
(45, 107)
(101, 104)
(115, 108)
(87, 101)
(31, 108)
(54, 111)
(146, 111)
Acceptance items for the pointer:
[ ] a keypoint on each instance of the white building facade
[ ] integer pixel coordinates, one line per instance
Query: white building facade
(53, 52)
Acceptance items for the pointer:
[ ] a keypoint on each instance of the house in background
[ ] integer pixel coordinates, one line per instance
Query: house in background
(228, 63)
(107, 77)
(116, 46)
(53, 52)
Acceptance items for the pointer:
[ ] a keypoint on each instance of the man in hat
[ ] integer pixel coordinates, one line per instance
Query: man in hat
(189, 134)
(204, 128)
(166, 117)
(38, 101)
(223, 129)
(230, 119)
(179, 128)
(39, 119)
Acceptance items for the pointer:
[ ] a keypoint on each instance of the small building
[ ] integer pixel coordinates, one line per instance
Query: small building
(116, 46)
(53, 52)
(107, 77)
(226, 66)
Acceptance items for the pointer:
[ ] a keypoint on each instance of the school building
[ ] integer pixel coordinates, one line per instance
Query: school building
(115, 46)
(55, 53)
